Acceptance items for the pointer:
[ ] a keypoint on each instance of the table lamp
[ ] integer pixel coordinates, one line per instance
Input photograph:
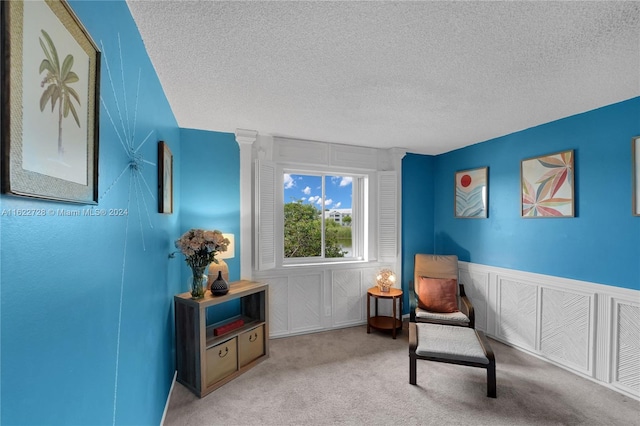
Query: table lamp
(385, 280)
(221, 266)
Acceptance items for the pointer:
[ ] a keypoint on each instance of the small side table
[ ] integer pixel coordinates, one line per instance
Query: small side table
(384, 322)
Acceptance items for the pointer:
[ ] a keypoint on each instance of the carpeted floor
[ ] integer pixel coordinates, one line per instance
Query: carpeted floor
(350, 377)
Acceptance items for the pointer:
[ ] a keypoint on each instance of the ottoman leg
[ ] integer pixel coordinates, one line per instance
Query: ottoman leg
(412, 369)
(413, 344)
(491, 367)
(491, 379)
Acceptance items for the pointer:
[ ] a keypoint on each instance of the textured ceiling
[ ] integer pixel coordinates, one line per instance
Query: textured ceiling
(427, 76)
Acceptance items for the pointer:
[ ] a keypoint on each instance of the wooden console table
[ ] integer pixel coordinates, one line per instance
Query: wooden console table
(206, 361)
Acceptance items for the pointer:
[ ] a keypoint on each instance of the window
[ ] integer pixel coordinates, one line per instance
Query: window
(375, 203)
(315, 206)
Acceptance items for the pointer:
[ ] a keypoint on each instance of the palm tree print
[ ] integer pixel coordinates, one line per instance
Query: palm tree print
(57, 81)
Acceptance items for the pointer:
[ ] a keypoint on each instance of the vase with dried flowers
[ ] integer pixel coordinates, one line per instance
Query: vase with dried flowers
(200, 248)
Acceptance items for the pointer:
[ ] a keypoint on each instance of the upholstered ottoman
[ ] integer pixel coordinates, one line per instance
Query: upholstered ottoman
(453, 345)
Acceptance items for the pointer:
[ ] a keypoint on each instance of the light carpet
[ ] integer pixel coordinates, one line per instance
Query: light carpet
(350, 377)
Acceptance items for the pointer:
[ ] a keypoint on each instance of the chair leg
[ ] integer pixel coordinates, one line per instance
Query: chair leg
(491, 379)
(412, 369)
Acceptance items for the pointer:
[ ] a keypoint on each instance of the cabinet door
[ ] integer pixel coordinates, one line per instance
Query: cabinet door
(250, 345)
(222, 360)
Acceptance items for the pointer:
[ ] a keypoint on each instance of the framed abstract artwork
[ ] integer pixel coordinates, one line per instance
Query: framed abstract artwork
(635, 172)
(165, 179)
(546, 184)
(50, 105)
(471, 193)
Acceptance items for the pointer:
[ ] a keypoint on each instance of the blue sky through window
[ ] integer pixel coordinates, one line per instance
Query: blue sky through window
(308, 188)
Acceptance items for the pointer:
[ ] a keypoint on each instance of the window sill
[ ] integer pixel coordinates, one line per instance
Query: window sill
(323, 264)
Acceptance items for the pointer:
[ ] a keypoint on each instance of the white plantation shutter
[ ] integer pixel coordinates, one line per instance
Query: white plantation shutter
(387, 216)
(265, 215)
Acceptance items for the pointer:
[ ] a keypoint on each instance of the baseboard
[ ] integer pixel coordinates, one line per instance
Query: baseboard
(166, 405)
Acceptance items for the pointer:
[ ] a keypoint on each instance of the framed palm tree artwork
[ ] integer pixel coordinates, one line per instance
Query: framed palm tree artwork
(50, 105)
(635, 173)
(546, 184)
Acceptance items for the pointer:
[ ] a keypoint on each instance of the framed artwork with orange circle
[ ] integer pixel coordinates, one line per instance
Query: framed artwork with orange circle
(471, 193)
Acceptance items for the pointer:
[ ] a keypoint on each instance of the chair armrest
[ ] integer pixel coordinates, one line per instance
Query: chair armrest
(467, 307)
(413, 302)
(413, 337)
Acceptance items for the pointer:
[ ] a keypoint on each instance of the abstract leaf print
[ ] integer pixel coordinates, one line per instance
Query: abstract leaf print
(547, 186)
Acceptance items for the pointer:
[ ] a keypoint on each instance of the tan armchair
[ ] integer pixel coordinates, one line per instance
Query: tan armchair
(435, 273)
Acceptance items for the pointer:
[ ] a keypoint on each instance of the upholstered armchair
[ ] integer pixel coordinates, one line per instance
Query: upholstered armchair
(435, 295)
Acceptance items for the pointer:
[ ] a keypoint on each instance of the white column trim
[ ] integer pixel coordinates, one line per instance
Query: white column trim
(397, 154)
(603, 344)
(245, 139)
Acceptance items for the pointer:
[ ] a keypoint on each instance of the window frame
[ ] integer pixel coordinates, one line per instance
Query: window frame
(359, 215)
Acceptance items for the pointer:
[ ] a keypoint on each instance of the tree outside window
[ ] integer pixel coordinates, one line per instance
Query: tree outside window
(314, 213)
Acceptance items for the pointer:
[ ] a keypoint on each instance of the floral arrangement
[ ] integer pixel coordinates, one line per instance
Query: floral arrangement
(385, 279)
(199, 248)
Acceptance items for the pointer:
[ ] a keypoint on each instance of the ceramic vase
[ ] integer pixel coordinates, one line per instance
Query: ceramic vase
(219, 287)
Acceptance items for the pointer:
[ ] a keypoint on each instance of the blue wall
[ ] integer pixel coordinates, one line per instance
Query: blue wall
(211, 188)
(86, 302)
(601, 244)
(417, 213)
(211, 198)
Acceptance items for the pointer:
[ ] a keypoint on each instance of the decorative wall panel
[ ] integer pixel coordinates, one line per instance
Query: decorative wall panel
(300, 151)
(347, 297)
(565, 334)
(369, 277)
(476, 287)
(517, 312)
(627, 345)
(354, 156)
(305, 293)
(278, 306)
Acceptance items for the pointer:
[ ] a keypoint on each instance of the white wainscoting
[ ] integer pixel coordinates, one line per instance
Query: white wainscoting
(310, 299)
(590, 329)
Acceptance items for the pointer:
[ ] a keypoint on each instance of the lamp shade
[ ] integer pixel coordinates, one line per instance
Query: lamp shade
(230, 253)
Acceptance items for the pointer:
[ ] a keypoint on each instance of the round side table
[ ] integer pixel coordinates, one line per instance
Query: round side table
(381, 322)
